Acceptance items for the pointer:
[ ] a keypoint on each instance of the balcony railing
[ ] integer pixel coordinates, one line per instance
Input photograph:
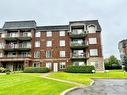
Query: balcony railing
(78, 45)
(17, 36)
(17, 56)
(79, 56)
(74, 34)
(10, 47)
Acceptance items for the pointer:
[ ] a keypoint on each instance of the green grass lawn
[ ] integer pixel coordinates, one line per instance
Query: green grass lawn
(86, 78)
(30, 84)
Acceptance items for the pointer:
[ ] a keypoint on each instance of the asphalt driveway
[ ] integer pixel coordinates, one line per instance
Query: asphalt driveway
(104, 87)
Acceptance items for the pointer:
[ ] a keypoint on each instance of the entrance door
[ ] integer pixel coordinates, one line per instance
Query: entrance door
(55, 67)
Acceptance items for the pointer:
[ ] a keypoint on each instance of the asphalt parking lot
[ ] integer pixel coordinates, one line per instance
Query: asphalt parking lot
(104, 87)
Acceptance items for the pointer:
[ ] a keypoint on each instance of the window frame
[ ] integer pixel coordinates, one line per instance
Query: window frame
(61, 53)
(62, 43)
(95, 53)
(38, 34)
(49, 34)
(49, 43)
(92, 41)
(37, 43)
(62, 66)
(62, 33)
(36, 56)
(46, 54)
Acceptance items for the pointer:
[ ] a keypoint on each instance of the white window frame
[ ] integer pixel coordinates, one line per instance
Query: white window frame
(62, 42)
(47, 54)
(35, 54)
(92, 40)
(49, 65)
(1, 54)
(49, 34)
(62, 65)
(62, 33)
(49, 43)
(62, 54)
(3, 35)
(37, 43)
(38, 34)
(93, 52)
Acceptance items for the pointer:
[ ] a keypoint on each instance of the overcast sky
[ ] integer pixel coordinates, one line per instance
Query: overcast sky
(112, 15)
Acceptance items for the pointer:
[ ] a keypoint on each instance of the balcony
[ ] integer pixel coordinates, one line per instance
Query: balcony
(77, 45)
(15, 57)
(75, 34)
(79, 56)
(11, 38)
(25, 37)
(17, 36)
(16, 47)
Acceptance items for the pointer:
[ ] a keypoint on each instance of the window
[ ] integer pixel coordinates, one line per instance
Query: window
(37, 43)
(14, 34)
(3, 35)
(92, 41)
(62, 33)
(93, 52)
(25, 54)
(49, 65)
(62, 65)
(1, 54)
(49, 34)
(77, 31)
(1, 45)
(36, 64)
(62, 42)
(78, 63)
(94, 63)
(37, 54)
(62, 53)
(48, 54)
(49, 43)
(26, 34)
(37, 34)
(92, 29)
(78, 53)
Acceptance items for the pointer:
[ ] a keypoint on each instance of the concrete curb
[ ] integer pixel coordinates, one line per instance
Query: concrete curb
(75, 88)
(79, 85)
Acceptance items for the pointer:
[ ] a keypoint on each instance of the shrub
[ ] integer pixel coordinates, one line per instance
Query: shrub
(113, 66)
(125, 68)
(79, 69)
(36, 70)
(2, 69)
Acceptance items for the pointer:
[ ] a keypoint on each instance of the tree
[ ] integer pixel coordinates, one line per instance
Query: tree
(113, 60)
(112, 63)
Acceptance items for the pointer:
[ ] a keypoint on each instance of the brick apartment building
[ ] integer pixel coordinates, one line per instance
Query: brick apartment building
(122, 46)
(23, 44)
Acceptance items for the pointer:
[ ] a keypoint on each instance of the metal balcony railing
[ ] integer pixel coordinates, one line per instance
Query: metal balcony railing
(74, 44)
(79, 56)
(74, 34)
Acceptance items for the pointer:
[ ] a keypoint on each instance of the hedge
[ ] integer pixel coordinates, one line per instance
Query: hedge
(79, 69)
(112, 67)
(36, 70)
(125, 68)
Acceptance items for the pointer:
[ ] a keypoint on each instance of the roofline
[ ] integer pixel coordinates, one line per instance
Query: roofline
(19, 21)
(83, 20)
